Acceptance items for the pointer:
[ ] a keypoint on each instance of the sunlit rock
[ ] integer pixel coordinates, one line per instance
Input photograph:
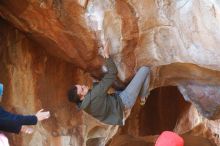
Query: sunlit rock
(48, 45)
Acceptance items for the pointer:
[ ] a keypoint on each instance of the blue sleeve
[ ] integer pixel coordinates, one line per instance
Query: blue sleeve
(7, 119)
(10, 126)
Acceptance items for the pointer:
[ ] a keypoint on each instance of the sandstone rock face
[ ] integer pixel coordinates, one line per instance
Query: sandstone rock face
(48, 45)
(29, 75)
(167, 110)
(58, 27)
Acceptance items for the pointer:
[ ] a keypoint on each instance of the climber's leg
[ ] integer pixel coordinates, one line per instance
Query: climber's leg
(145, 90)
(130, 94)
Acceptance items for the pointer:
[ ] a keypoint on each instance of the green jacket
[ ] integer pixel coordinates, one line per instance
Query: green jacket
(107, 108)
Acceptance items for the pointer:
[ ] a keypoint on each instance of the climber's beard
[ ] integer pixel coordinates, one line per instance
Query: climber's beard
(0, 98)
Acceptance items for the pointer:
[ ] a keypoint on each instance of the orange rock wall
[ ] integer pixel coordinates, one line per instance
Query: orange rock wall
(48, 45)
(34, 80)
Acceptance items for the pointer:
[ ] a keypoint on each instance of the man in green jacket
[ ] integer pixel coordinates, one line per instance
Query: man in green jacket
(109, 108)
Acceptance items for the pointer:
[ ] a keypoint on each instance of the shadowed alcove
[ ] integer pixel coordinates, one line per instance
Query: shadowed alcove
(163, 108)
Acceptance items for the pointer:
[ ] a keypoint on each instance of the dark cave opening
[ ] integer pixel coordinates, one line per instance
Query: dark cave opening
(164, 107)
(162, 110)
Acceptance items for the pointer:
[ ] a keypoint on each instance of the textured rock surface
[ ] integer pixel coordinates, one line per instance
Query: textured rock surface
(167, 110)
(47, 45)
(36, 80)
(57, 26)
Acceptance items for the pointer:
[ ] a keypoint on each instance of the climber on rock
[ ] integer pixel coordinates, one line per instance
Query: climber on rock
(15, 122)
(109, 108)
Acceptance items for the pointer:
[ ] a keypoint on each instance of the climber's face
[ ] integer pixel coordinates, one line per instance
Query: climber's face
(82, 90)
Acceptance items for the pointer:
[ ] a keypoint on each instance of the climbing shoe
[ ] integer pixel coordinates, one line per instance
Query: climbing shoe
(143, 101)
